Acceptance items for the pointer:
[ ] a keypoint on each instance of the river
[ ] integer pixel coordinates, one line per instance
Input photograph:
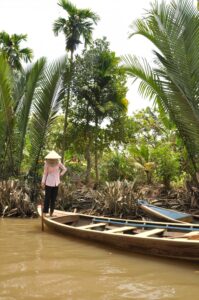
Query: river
(46, 266)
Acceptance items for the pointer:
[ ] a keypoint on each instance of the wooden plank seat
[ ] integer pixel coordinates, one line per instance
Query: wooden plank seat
(150, 232)
(121, 229)
(90, 226)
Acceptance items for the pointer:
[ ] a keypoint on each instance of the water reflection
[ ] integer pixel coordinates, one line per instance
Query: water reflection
(36, 265)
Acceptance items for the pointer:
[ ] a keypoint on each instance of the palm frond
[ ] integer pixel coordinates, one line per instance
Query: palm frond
(46, 106)
(87, 14)
(6, 113)
(77, 26)
(68, 6)
(26, 54)
(33, 77)
(163, 91)
(59, 26)
(173, 28)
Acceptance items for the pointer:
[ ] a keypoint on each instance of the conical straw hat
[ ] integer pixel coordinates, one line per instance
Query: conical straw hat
(52, 155)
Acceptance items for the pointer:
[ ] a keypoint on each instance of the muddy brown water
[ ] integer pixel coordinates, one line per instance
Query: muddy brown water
(43, 265)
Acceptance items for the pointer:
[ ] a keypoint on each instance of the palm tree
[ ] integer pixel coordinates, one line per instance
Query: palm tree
(7, 117)
(29, 111)
(47, 102)
(10, 47)
(78, 26)
(30, 80)
(173, 83)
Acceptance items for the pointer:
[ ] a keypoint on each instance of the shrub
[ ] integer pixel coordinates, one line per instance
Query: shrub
(167, 163)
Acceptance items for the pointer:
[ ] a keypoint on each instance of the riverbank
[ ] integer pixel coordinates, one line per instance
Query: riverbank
(115, 199)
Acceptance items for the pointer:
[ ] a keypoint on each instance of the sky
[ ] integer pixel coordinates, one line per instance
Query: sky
(35, 18)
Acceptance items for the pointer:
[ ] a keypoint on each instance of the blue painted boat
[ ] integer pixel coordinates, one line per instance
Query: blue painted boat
(164, 213)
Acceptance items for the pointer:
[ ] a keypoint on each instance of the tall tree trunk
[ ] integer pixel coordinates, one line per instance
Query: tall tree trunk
(66, 106)
(167, 183)
(148, 176)
(88, 147)
(96, 149)
(88, 160)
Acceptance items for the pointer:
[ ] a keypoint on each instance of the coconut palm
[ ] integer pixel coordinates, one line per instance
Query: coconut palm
(31, 109)
(77, 27)
(46, 105)
(6, 114)
(10, 47)
(29, 82)
(173, 83)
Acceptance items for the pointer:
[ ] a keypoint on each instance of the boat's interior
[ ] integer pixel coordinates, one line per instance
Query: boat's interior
(136, 228)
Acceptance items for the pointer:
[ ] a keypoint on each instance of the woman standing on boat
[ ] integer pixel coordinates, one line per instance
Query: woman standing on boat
(53, 169)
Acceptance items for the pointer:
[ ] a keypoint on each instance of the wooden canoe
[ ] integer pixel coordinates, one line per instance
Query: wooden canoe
(171, 240)
(164, 214)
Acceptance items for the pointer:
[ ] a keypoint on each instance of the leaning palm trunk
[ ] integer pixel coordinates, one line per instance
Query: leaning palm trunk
(174, 31)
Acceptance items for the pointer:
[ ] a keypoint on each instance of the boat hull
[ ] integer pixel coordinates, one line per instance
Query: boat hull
(164, 247)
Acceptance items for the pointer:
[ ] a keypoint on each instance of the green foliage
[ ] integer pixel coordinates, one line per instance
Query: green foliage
(45, 108)
(27, 112)
(76, 170)
(99, 82)
(167, 163)
(31, 79)
(78, 25)
(157, 148)
(173, 28)
(116, 166)
(35, 110)
(98, 96)
(7, 119)
(10, 48)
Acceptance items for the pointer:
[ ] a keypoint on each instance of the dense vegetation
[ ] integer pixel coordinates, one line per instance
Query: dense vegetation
(77, 105)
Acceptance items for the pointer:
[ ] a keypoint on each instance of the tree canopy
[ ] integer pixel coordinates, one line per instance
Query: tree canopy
(173, 28)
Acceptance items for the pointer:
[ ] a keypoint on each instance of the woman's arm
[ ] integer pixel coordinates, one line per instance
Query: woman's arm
(64, 169)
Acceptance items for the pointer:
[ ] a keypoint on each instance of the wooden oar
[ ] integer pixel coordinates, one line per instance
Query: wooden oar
(42, 214)
(42, 218)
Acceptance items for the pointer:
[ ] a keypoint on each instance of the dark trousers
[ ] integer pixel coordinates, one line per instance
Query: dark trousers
(50, 198)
